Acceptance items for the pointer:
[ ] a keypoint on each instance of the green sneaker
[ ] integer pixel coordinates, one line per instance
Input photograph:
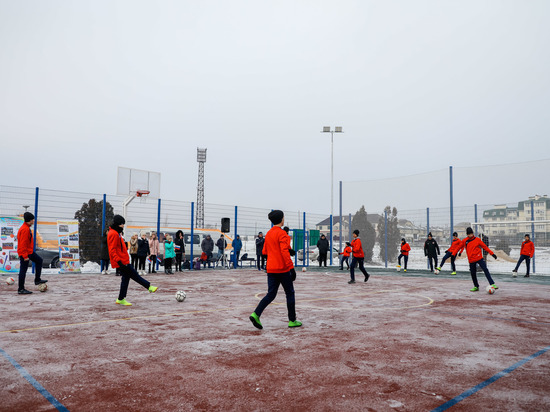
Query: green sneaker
(295, 324)
(153, 289)
(255, 319)
(495, 286)
(474, 289)
(439, 269)
(453, 273)
(123, 302)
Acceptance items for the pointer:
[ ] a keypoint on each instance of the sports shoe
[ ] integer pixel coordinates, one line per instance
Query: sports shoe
(24, 292)
(398, 266)
(351, 281)
(404, 270)
(123, 302)
(153, 289)
(495, 286)
(39, 281)
(453, 273)
(526, 276)
(367, 277)
(474, 289)
(294, 324)
(255, 319)
(438, 268)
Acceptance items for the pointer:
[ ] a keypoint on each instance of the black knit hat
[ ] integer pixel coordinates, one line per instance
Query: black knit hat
(430, 234)
(356, 231)
(276, 216)
(469, 231)
(403, 239)
(455, 234)
(118, 220)
(527, 235)
(28, 216)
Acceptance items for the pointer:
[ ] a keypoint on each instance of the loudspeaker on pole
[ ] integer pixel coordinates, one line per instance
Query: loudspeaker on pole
(225, 224)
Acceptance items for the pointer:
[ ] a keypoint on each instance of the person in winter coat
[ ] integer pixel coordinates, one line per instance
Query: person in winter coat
(456, 245)
(323, 247)
(142, 253)
(431, 250)
(133, 246)
(154, 249)
(169, 255)
(474, 249)
(118, 254)
(344, 256)
(358, 257)
(221, 244)
(404, 253)
(207, 246)
(104, 253)
(260, 258)
(237, 246)
(526, 253)
(25, 250)
(180, 249)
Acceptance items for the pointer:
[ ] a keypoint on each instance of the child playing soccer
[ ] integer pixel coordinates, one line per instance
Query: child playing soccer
(404, 253)
(25, 250)
(358, 257)
(526, 253)
(345, 256)
(280, 271)
(474, 247)
(456, 245)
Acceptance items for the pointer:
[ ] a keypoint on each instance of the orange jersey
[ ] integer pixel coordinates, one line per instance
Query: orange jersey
(455, 247)
(25, 244)
(357, 248)
(473, 246)
(117, 248)
(527, 248)
(276, 246)
(405, 249)
(347, 251)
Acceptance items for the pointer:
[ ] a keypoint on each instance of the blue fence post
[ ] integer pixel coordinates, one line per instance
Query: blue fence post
(103, 223)
(451, 201)
(475, 218)
(386, 237)
(428, 231)
(340, 242)
(35, 223)
(235, 262)
(192, 234)
(533, 231)
(330, 251)
(304, 248)
(156, 264)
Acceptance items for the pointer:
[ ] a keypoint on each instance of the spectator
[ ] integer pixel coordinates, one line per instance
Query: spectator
(154, 248)
(169, 255)
(260, 258)
(207, 247)
(180, 249)
(104, 253)
(237, 246)
(133, 246)
(431, 250)
(142, 253)
(221, 244)
(323, 246)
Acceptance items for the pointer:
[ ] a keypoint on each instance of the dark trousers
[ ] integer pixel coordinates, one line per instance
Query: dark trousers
(153, 259)
(322, 258)
(432, 259)
(483, 267)
(354, 262)
(141, 262)
(260, 261)
(527, 262)
(134, 260)
(447, 256)
(273, 282)
(344, 259)
(236, 260)
(104, 264)
(167, 264)
(406, 258)
(128, 272)
(178, 261)
(24, 265)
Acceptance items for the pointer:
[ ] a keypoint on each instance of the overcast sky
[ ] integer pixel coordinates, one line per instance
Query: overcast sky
(86, 86)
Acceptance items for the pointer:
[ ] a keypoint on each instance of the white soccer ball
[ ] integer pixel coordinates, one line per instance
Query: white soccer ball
(10, 281)
(398, 268)
(304, 269)
(514, 274)
(490, 289)
(42, 287)
(436, 272)
(180, 295)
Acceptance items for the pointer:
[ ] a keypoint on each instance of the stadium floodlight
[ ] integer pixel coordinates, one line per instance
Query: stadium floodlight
(201, 158)
(327, 129)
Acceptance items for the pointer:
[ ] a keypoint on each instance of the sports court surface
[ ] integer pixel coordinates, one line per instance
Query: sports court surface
(414, 342)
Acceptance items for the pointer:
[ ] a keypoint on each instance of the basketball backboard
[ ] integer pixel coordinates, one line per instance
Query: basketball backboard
(129, 181)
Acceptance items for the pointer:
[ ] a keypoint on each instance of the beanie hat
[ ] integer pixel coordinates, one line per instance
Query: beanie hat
(430, 234)
(403, 239)
(469, 231)
(527, 235)
(28, 216)
(356, 231)
(118, 220)
(276, 216)
(455, 234)
(348, 244)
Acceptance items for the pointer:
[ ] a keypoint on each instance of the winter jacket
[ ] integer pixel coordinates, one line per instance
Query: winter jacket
(276, 247)
(473, 247)
(405, 249)
(455, 247)
(133, 246)
(25, 244)
(431, 248)
(347, 251)
(357, 248)
(180, 243)
(221, 244)
(154, 247)
(104, 252)
(323, 245)
(259, 245)
(118, 252)
(143, 247)
(237, 245)
(169, 250)
(207, 245)
(527, 248)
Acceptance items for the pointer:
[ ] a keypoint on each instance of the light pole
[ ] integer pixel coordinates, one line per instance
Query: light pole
(327, 129)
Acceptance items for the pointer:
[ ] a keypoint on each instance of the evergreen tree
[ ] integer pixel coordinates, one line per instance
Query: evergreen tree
(366, 232)
(394, 235)
(89, 218)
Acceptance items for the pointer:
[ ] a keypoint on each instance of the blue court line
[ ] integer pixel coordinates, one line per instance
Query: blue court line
(482, 385)
(34, 383)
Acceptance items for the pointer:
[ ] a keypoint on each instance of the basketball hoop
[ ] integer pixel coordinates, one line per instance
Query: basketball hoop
(140, 193)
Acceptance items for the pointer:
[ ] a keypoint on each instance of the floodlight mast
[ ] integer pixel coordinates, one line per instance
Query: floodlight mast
(327, 129)
(201, 158)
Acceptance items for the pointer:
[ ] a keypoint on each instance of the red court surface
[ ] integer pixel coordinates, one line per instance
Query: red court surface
(395, 343)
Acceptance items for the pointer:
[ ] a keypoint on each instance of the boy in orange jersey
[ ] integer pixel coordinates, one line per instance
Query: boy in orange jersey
(456, 245)
(280, 270)
(474, 247)
(118, 254)
(358, 257)
(345, 256)
(404, 253)
(25, 250)
(526, 253)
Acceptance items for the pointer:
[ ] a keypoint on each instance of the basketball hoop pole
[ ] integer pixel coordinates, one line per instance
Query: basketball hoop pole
(125, 205)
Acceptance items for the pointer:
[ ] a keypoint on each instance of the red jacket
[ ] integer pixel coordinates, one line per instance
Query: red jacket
(357, 248)
(118, 252)
(276, 246)
(527, 248)
(473, 247)
(25, 244)
(455, 247)
(347, 251)
(405, 249)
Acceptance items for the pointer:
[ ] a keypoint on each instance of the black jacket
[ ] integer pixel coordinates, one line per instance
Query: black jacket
(180, 242)
(259, 245)
(430, 248)
(221, 243)
(323, 245)
(143, 247)
(207, 245)
(104, 248)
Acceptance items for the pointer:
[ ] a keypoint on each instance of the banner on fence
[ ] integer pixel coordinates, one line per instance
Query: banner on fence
(69, 253)
(9, 259)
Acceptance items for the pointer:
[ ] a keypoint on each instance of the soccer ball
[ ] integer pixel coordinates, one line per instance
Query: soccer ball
(436, 272)
(304, 269)
(490, 289)
(10, 281)
(399, 268)
(180, 295)
(42, 287)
